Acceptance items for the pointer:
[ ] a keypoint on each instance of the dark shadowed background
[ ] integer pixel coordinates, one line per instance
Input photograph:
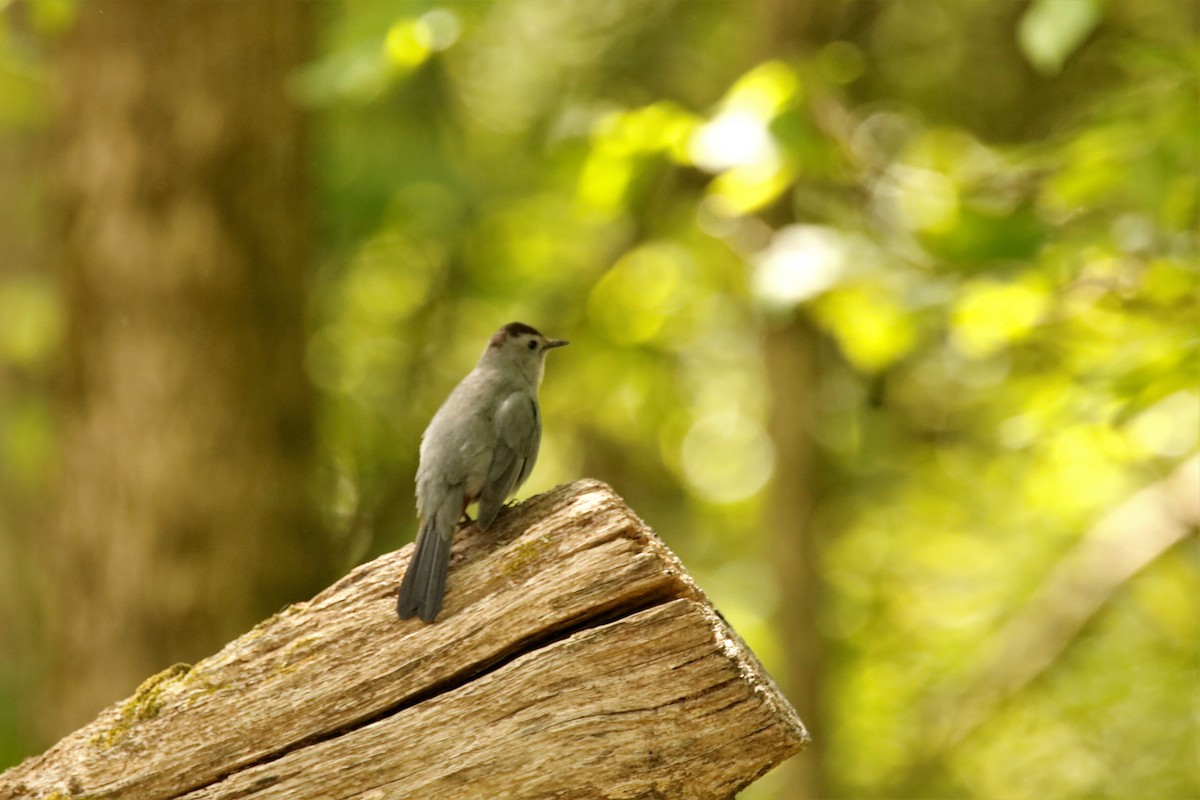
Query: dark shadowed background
(883, 314)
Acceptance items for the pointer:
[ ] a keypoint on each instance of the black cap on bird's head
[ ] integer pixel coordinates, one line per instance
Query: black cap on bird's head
(511, 329)
(519, 330)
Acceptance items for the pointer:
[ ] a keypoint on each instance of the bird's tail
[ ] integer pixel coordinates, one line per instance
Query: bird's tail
(425, 579)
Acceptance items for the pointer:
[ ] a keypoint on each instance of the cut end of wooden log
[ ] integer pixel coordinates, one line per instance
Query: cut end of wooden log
(573, 657)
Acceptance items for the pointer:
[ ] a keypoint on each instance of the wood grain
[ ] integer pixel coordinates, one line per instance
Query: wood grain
(573, 656)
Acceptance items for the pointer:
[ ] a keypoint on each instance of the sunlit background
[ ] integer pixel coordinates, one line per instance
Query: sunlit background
(883, 315)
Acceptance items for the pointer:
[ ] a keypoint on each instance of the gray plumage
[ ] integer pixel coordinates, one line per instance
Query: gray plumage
(480, 446)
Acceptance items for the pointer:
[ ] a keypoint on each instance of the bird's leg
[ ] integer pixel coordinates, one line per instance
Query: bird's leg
(465, 519)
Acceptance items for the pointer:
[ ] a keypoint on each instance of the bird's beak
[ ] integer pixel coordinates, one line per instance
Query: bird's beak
(556, 343)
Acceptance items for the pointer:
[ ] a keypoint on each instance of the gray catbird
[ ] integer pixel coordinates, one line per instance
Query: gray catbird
(480, 446)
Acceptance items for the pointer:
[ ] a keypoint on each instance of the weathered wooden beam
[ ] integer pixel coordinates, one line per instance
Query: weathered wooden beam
(573, 657)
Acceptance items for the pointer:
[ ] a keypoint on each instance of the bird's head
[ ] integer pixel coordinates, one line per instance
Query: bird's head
(521, 348)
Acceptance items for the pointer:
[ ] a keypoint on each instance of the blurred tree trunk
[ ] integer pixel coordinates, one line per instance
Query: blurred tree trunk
(792, 364)
(185, 511)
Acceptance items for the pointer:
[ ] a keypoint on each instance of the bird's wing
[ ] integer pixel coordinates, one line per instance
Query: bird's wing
(518, 435)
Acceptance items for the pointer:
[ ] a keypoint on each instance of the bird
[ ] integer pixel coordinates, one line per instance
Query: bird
(480, 446)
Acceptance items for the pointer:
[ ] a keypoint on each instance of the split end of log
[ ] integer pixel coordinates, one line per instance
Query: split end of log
(573, 657)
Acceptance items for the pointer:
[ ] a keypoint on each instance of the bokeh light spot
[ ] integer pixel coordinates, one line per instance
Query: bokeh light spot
(634, 298)
(30, 321)
(802, 261)
(990, 315)
(871, 326)
(727, 457)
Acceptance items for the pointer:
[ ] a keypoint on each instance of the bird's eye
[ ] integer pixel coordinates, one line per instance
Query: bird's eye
(533, 344)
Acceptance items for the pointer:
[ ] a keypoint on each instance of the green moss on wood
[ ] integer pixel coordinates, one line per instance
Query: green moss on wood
(144, 705)
(296, 653)
(525, 554)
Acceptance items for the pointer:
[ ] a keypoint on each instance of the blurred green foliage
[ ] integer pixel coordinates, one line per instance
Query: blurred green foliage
(988, 210)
